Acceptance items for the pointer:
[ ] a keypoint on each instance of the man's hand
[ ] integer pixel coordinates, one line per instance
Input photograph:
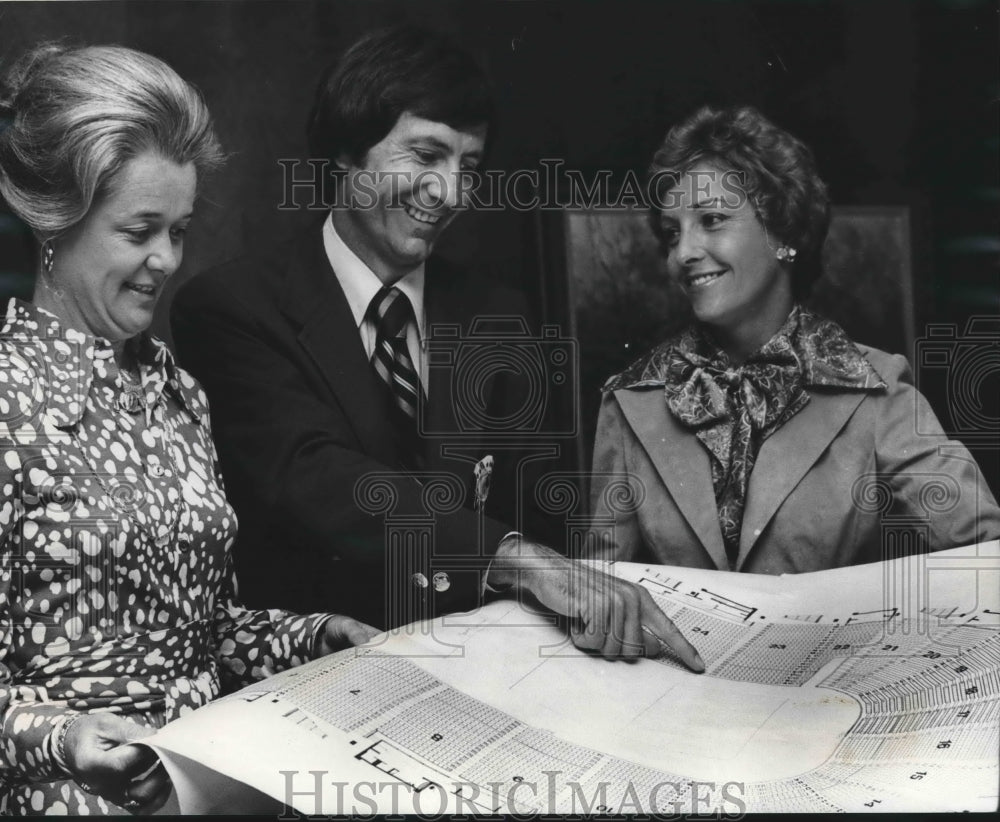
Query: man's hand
(342, 632)
(101, 760)
(607, 615)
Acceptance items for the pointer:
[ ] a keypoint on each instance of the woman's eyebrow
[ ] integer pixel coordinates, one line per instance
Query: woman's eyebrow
(152, 214)
(709, 202)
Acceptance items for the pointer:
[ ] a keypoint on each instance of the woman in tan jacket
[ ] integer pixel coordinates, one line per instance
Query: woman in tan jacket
(762, 438)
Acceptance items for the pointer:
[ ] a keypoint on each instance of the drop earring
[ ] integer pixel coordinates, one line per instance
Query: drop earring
(785, 253)
(48, 260)
(48, 255)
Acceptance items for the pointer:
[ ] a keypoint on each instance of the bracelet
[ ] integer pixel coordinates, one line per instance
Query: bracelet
(59, 743)
(59, 752)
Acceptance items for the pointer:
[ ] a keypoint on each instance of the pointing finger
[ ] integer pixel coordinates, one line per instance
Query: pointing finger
(657, 623)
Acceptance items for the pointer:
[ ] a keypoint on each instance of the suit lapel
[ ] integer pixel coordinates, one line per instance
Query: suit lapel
(314, 300)
(787, 455)
(451, 304)
(682, 463)
(445, 328)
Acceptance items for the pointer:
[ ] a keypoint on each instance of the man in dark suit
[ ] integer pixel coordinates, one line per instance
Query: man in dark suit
(356, 461)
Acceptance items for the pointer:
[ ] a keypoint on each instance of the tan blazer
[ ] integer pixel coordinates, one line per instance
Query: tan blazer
(847, 475)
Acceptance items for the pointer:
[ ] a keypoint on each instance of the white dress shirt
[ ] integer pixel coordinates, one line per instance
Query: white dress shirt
(360, 285)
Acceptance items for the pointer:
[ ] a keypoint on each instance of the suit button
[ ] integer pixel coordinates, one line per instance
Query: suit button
(441, 581)
(419, 580)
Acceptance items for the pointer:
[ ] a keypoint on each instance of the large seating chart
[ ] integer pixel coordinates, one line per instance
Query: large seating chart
(873, 688)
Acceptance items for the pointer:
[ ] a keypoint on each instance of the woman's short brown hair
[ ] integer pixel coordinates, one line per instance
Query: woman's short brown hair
(776, 170)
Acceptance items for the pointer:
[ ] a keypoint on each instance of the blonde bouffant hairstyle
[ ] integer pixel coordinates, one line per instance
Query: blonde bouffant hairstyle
(71, 117)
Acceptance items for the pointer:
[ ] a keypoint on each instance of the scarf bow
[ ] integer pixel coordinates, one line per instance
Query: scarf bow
(732, 410)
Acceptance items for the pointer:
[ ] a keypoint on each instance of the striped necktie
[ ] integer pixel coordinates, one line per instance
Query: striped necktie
(390, 311)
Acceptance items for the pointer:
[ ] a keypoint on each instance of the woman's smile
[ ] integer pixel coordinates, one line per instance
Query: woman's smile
(701, 279)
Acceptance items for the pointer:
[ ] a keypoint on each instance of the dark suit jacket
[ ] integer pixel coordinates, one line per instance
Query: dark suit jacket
(302, 427)
(826, 490)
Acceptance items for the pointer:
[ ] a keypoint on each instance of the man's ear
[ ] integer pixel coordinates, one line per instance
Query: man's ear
(343, 162)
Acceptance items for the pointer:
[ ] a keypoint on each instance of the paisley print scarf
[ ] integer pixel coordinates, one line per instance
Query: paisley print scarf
(733, 409)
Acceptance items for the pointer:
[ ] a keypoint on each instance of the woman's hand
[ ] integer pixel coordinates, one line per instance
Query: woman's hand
(341, 632)
(101, 760)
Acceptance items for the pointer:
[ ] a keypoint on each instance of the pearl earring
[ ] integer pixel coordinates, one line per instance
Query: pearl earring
(785, 253)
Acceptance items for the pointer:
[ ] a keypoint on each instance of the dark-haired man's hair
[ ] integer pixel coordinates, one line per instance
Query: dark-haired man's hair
(389, 72)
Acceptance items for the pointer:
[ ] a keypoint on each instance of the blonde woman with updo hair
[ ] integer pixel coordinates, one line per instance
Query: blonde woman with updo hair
(118, 604)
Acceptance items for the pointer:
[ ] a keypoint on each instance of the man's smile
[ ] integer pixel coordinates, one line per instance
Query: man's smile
(421, 216)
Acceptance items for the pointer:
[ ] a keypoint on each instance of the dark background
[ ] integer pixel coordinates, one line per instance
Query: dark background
(898, 99)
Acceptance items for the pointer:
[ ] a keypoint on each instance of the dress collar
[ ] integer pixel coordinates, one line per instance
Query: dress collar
(64, 359)
(826, 356)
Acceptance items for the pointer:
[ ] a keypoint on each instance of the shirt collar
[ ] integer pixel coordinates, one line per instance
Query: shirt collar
(65, 359)
(826, 355)
(360, 283)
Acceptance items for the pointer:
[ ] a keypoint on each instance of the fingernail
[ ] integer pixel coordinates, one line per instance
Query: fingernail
(699, 663)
